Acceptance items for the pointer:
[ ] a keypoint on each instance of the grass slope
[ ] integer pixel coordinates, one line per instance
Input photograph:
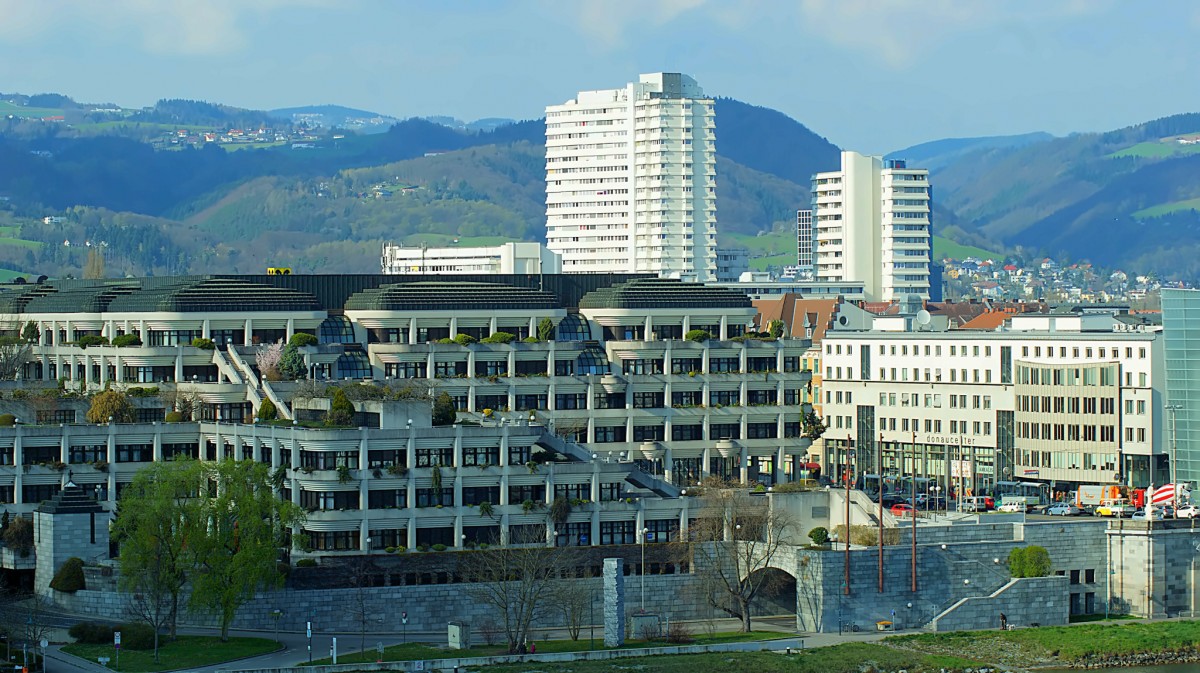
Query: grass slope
(1058, 645)
(186, 652)
(846, 658)
(7, 108)
(944, 247)
(1163, 209)
(1155, 149)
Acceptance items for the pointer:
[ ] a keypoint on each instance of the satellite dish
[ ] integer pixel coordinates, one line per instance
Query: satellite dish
(923, 317)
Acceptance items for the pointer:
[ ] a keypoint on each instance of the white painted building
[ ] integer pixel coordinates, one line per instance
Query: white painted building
(873, 225)
(508, 258)
(1046, 400)
(631, 179)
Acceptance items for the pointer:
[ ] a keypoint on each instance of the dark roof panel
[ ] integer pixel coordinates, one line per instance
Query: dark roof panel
(652, 293)
(449, 295)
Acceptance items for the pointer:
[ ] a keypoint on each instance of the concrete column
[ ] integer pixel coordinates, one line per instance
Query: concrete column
(744, 462)
(206, 329)
(412, 330)
(614, 602)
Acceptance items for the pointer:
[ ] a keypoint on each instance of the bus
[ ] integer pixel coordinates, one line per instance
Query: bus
(1028, 493)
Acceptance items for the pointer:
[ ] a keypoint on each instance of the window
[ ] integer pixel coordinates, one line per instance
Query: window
(387, 498)
(647, 400)
(91, 453)
(534, 492)
(480, 456)
(687, 432)
(618, 532)
(129, 453)
(428, 497)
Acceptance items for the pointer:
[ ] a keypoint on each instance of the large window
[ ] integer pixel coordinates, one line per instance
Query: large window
(131, 453)
(618, 532)
(90, 453)
(387, 497)
(329, 500)
(335, 540)
(481, 456)
(647, 400)
(437, 456)
(573, 328)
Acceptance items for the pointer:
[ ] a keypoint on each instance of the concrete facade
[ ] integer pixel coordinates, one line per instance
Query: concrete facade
(70, 525)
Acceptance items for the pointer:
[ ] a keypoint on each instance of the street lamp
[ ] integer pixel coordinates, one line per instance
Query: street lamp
(368, 546)
(644, 533)
(1174, 487)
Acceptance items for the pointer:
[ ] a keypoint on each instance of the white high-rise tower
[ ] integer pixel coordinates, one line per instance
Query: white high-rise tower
(631, 179)
(873, 224)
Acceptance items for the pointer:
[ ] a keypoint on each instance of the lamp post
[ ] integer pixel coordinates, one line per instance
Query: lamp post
(1174, 487)
(913, 476)
(643, 533)
(879, 478)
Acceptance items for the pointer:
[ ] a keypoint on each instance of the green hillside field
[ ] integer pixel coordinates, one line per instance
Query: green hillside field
(1155, 149)
(7, 109)
(1164, 208)
(944, 247)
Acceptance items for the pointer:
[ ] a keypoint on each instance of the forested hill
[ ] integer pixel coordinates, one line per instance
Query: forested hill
(326, 203)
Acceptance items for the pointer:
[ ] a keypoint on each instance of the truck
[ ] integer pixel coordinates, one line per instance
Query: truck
(1093, 495)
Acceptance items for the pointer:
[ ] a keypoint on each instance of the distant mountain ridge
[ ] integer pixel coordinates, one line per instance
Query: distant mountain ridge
(937, 153)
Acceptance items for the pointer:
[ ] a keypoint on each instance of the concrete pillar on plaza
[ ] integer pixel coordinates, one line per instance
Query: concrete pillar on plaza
(744, 464)
(614, 602)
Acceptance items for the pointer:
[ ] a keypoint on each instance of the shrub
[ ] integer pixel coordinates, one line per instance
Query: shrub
(69, 577)
(302, 340)
(137, 391)
(560, 509)
(819, 535)
(545, 329)
(790, 487)
(173, 417)
(19, 536)
(341, 409)
(500, 338)
(111, 404)
(679, 633)
(136, 636)
(123, 340)
(267, 411)
(444, 412)
(697, 335)
(1031, 561)
(203, 344)
(306, 563)
(531, 340)
(8, 420)
(91, 633)
(390, 550)
(438, 547)
(775, 328)
(291, 363)
(445, 340)
(91, 340)
(464, 339)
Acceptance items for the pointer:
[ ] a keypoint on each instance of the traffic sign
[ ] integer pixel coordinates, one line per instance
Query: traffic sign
(117, 639)
(404, 618)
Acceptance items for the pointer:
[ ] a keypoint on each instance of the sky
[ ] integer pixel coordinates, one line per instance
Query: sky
(870, 75)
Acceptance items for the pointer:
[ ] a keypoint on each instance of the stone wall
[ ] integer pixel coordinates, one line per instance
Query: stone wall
(954, 562)
(1025, 601)
(1154, 568)
(429, 607)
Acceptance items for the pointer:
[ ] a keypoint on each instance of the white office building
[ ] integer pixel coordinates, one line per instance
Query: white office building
(508, 258)
(873, 225)
(1059, 400)
(631, 179)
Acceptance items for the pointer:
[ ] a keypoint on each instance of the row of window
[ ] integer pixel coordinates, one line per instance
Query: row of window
(1072, 432)
(1067, 405)
(1071, 376)
(1066, 460)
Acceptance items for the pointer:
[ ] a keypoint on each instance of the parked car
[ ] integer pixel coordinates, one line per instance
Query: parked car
(1063, 509)
(1187, 512)
(1151, 515)
(979, 503)
(1012, 507)
(903, 509)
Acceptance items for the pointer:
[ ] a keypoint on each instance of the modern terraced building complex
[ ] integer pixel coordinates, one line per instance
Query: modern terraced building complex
(644, 387)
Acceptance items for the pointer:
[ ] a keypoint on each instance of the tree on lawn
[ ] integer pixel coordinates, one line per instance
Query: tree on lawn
(518, 581)
(735, 537)
(245, 524)
(158, 513)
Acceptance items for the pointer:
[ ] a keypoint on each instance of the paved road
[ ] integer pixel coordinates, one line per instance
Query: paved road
(295, 645)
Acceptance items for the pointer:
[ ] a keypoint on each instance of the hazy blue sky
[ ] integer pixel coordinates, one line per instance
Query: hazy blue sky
(871, 75)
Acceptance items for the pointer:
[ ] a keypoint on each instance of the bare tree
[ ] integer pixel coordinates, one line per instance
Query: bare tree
(362, 572)
(14, 353)
(185, 400)
(573, 597)
(517, 581)
(736, 537)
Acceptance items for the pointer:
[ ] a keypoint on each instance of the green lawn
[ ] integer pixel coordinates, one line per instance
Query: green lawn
(9, 274)
(845, 658)
(944, 247)
(779, 249)
(1060, 644)
(1164, 208)
(20, 242)
(185, 652)
(7, 108)
(416, 651)
(1155, 149)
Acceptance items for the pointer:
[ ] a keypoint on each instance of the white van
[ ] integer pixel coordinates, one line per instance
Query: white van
(979, 503)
